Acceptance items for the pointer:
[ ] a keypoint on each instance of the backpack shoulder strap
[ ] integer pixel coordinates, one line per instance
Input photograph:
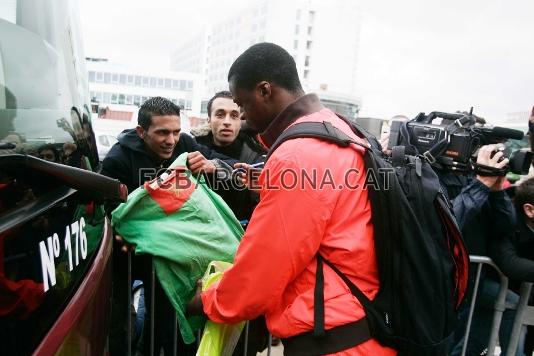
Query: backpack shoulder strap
(327, 132)
(320, 130)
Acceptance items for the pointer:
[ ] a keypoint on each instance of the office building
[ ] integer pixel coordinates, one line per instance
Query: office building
(322, 36)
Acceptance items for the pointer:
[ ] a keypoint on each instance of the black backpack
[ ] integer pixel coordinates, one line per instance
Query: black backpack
(421, 258)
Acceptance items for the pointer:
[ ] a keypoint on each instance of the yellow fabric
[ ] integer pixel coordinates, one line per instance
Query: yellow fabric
(218, 339)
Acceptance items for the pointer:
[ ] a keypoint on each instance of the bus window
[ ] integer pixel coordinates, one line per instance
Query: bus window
(50, 232)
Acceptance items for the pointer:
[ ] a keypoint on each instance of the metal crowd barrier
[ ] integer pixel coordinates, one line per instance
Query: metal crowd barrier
(524, 312)
(176, 331)
(499, 303)
(524, 316)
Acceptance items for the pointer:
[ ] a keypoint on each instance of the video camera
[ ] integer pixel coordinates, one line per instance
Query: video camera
(451, 141)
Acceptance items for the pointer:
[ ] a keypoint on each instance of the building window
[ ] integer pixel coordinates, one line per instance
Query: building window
(107, 78)
(189, 85)
(137, 80)
(181, 103)
(310, 30)
(145, 81)
(311, 16)
(99, 76)
(308, 44)
(122, 99)
(130, 80)
(99, 97)
(115, 78)
(168, 83)
(296, 29)
(114, 98)
(107, 98)
(307, 61)
(204, 107)
(137, 100)
(160, 83)
(182, 84)
(188, 105)
(91, 76)
(306, 73)
(175, 84)
(153, 82)
(295, 44)
(129, 99)
(122, 79)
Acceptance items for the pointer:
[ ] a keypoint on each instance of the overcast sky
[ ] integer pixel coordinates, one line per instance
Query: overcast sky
(415, 55)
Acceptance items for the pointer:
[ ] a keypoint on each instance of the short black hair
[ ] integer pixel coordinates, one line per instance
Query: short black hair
(524, 194)
(221, 94)
(50, 147)
(155, 106)
(265, 61)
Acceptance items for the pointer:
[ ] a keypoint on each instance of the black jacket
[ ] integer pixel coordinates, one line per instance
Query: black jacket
(130, 162)
(514, 253)
(243, 149)
(482, 215)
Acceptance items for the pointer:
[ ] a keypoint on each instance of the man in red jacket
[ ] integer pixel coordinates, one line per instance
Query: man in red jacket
(309, 204)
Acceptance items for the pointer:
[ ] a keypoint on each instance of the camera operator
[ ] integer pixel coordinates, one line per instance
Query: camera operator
(484, 212)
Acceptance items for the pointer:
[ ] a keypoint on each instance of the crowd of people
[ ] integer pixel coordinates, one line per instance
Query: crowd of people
(272, 281)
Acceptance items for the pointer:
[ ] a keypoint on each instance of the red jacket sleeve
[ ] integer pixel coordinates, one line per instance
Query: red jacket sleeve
(283, 236)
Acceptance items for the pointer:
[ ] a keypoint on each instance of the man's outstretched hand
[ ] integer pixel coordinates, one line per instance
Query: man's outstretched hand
(194, 307)
(248, 175)
(199, 164)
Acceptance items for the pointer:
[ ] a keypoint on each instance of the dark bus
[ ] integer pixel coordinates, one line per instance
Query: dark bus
(55, 240)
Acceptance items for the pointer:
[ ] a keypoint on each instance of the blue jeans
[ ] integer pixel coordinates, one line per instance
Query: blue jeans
(482, 320)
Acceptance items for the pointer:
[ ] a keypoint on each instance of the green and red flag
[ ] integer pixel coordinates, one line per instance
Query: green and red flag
(184, 225)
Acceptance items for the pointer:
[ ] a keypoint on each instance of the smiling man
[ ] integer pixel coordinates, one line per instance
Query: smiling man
(138, 156)
(154, 144)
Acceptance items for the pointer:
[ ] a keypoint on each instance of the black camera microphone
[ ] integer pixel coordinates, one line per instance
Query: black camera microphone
(502, 132)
